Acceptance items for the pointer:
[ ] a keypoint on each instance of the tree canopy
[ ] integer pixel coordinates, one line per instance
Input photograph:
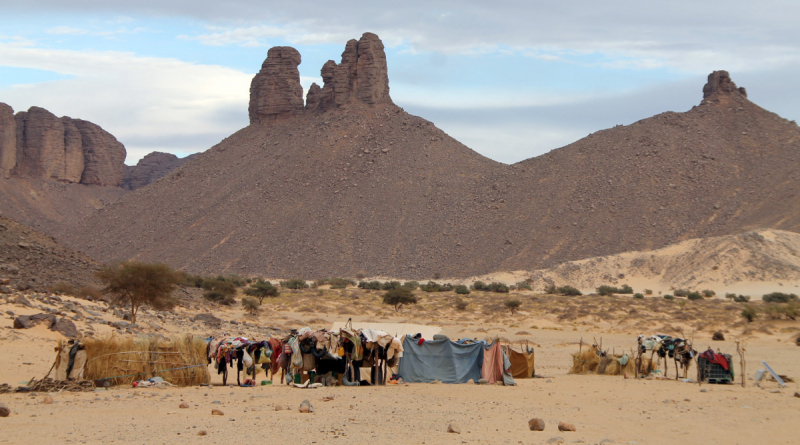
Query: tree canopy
(136, 284)
(399, 297)
(261, 289)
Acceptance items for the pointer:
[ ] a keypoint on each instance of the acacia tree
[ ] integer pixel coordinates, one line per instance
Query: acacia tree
(136, 284)
(398, 297)
(261, 289)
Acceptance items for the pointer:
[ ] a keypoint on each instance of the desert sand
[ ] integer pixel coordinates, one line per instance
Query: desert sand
(602, 408)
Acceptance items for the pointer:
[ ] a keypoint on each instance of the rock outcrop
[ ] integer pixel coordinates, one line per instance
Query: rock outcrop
(37, 144)
(151, 168)
(275, 92)
(361, 77)
(720, 83)
(8, 141)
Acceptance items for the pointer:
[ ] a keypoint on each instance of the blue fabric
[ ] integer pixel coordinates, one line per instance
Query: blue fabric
(442, 360)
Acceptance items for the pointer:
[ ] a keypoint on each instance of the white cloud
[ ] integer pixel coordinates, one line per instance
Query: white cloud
(137, 99)
(248, 36)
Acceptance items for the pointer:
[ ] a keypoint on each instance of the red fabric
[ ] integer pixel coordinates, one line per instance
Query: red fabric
(492, 369)
(716, 358)
(421, 340)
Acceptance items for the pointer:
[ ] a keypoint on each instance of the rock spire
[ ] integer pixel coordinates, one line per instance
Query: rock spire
(720, 83)
(275, 92)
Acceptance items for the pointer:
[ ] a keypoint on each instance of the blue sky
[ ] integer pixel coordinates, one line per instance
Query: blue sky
(511, 80)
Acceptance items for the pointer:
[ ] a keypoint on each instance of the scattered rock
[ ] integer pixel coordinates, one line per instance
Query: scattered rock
(536, 424)
(606, 441)
(120, 324)
(483, 382)
(183, 405)
(4, 411)
(555, 440)
(435, 382)
(453, 428)
(202, 433)
(564, 426)
(305, 407)
(207, 319)
(47, 400)
(29, 321)
(65, 327)
(718, 336)
(470, 382)
(23, 301)
(797, 394)
(217, 412)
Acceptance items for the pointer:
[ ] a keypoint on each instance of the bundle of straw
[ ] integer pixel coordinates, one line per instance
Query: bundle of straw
(124, 360)
(585, 361)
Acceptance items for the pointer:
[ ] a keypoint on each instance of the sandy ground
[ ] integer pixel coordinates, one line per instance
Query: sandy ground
(602, 408)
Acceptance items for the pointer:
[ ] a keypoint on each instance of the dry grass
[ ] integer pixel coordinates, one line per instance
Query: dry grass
(116, 358)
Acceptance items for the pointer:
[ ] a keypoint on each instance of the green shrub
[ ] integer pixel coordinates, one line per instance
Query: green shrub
(236, 280)
(389, 285)
(741, 299)
(606, 290)
(551, 289)
(524, 285)
(708, 293)
(779, 297)
(694, 296)
(461, 305)
(625, 289)
(512, 305)
(568, 291)
(480, 286)
(638, 295)
(461, 289)
(749, 313)
(260, 290)
(399, 297)
(435, 287)
(730, 296)
(219, 285)
(294, 283)
(219, 297)
(251, 305)
(668, 297)
(411, 285)
(374, 285)
(498, 288)
(681, 292)
(648, 292)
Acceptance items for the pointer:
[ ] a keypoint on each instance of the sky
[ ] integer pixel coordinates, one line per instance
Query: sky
(511, 80)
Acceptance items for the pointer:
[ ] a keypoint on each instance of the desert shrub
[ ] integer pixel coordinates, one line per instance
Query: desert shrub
(191, 280)
(294, 283)
(136, 284)
(480, 286)
(550, 289)
(681, 292)
(63, 288)
(749, 313)
(730, 296)
(340, 283)
(461, 289)
(568, 291)
(261, 290)
(251, 305)
(512, 305)
(648, 292)
(411, 285)
(638, 295)
(236, 280)
(360, 276)
(219, 297)
(524, 285)
(779, 297)
(741, 299)
(499, 288)
(792, 311)
(374, 285)
(437, 276)
(389, 285)
(217, 285)
(668, 297)
(718, 336)
(625, 289)
(708, 293)
(399, 297)
(694, 296)
(435, 287)
(606, 290)
(89, 293)
(461, 305)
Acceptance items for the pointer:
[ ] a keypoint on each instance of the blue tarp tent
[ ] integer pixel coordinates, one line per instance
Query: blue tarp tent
(442, 360)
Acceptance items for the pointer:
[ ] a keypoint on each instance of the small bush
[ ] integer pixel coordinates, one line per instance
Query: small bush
(219, 297)
(389, 285)
(435, 287)
(741, 299)
(294, 283)
(638, 295)
(718, 336)
(498, 288)
(625, 289)
(236, 280)
(399, 297)
(480, 286)
(730, 296)
(461, 305)
(251, 305)
(373, 285)
(694, 296)
(219, 285)
(437, 276)
(512, 305)
(524, 285)
(779, 297)
(261, 290)
(749, 313)
(708, 293)
(681, 292)
(606, 290)
(668, 297)
(411, 285)
(550, 289)
(461, 289)
(569, 291)
(648, 292)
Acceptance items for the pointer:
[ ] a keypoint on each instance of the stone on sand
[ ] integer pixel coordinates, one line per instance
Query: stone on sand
(183, 405)
(47, 400)
(564, 426)
(217, 412)
(453, 428)
(305, 407)
(536, 424)
(4, 411)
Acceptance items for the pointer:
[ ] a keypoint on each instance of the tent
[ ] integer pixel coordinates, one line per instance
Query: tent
(522, 363)
(442, 360)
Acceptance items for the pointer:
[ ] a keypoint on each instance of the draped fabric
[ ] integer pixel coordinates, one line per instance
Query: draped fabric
(442, 360)
(492, 369)
(522, 364)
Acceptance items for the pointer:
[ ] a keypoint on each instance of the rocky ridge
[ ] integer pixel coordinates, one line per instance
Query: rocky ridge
(151, 168)
(356, 185)
(37, 144)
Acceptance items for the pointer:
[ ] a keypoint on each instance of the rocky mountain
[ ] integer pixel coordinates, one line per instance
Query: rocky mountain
(31, 259)
(349, 183)
(151, 168)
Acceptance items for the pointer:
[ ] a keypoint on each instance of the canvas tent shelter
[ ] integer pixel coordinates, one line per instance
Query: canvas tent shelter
(442, 360)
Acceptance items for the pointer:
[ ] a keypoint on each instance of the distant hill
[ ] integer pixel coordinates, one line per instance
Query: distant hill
(347, 182)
